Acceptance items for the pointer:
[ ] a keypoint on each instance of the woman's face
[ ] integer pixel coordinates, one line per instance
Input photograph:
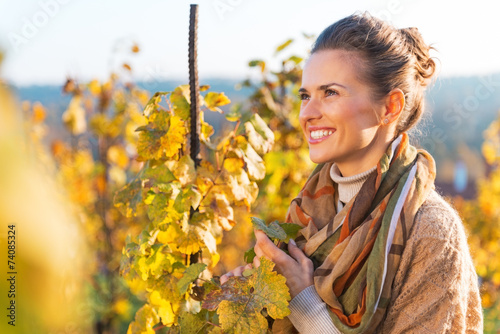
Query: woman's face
(337, 114)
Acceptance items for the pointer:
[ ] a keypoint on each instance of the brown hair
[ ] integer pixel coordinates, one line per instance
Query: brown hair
(393, 58)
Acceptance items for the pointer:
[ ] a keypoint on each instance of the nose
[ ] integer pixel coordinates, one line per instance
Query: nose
(309, 110)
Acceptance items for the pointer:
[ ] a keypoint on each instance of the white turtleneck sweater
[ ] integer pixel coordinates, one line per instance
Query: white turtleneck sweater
(348, 186)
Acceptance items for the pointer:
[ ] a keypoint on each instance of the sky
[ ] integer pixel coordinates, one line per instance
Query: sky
(45, 41)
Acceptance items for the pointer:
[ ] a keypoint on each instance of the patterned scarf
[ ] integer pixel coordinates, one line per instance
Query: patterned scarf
(356, 252)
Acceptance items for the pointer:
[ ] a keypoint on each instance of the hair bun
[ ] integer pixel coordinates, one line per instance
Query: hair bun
(424, 64)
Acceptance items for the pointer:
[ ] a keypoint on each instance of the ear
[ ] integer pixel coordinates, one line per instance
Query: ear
(394, 105)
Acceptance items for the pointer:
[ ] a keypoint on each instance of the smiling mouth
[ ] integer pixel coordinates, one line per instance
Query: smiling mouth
(318, 134)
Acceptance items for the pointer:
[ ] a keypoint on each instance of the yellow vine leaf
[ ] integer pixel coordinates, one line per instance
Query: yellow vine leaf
(242, 189)
(118, 156)
(183, 169)
(175, 137)
(214, 100)
(186, 242)
(145, 318)
(240, 300)
(74, 116)
(233, 165)
(259, 135)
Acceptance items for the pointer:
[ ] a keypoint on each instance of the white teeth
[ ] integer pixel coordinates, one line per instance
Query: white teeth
(320, 133)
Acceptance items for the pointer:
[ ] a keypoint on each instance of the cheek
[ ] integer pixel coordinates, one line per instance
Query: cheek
(359, 116)
(302, 123)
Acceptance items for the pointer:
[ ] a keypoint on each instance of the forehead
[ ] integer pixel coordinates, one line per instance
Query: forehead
(344, 67)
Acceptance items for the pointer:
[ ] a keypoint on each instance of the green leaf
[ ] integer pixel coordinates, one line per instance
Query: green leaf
(216, 330)
(129, 198)
(148, 146)
(283, 46)
(158, 174)
(156, 211)
(188, 197)
(234, 113)
(167, 288)
(295, 59)
(249, 255)
(127, 261)
(260, 63)
(192, 323)
(214, 100)
(180, 99)
(291, 230)
(273, 230)
(190, 275)
(146, 240)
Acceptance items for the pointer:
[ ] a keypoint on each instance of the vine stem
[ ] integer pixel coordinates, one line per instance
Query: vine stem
(159, 327)
(211, 323)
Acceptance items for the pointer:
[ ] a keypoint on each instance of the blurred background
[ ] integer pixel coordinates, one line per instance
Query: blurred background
(75, 75)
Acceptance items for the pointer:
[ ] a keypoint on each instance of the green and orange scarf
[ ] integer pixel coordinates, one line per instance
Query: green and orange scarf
(356, 252)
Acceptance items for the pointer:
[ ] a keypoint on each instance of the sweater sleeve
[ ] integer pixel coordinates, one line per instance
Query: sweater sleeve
(309, 314)
(436, 287)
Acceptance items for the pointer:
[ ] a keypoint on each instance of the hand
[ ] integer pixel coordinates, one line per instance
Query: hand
(238, 271)
(297, 268)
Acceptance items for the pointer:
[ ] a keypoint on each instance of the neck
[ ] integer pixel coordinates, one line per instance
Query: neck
(349, 186)
(363, 159)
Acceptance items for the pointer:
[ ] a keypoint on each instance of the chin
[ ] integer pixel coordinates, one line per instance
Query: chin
(320, 159)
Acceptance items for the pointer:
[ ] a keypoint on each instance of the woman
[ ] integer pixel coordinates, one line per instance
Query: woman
(380, 250)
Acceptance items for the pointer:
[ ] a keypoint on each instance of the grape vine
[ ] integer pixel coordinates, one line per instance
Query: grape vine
(188, 209)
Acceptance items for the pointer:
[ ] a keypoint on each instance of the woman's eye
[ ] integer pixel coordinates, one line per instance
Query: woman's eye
(330, 92)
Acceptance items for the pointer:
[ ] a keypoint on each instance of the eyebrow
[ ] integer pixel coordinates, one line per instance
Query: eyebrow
(323, 87)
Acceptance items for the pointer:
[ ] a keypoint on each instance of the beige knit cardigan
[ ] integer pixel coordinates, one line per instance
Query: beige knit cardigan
(436, 286)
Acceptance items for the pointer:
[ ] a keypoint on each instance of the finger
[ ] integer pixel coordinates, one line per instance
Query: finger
(225, 277)
(238, 271)
(256, 262)
(258, 252)
(266, 246)
(248, 266)
(297, 253)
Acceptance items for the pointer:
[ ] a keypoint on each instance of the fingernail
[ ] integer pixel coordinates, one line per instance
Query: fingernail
(293, 242)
